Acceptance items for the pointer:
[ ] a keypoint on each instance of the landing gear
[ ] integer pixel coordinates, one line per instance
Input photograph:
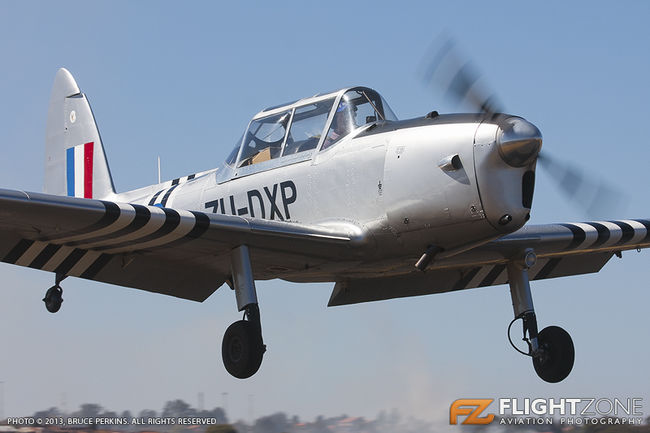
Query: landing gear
(53, 298)
(551, 349)
(242, 347)
(54, 295)
(557, 354)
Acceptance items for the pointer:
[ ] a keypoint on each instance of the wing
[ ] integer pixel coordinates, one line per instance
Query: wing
(175, 252)
(561, 249)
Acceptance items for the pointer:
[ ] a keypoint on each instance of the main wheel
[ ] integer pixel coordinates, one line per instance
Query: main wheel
(242, 349)
(556, 360)
(53, 298)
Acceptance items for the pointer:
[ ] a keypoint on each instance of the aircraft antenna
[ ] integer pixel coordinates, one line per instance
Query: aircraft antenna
(159, 181)
(2, 399)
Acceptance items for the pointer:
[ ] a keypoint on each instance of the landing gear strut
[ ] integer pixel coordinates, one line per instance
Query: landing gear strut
(54, 296)
(242, 348)
(551, 349)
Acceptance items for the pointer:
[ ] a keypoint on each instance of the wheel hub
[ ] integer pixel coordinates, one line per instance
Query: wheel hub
(236, 349)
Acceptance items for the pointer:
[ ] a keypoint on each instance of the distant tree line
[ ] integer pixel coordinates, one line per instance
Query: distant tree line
(385, 422)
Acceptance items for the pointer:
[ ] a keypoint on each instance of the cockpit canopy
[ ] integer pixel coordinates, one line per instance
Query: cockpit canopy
(308, 125)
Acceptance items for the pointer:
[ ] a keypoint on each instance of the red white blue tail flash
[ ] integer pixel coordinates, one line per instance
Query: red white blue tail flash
(79, 170)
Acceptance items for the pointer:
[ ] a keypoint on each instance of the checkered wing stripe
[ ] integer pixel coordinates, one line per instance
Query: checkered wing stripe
(496, 274)
(594, 241)
(608, 234)
(122, 228)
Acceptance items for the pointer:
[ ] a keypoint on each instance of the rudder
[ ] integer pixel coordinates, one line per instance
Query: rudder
(75, 162)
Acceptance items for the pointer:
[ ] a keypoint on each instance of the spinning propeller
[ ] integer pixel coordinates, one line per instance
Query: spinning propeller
(464, 83)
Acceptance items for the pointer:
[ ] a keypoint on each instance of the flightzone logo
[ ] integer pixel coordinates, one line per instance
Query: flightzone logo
(471, 409)
(540, 411)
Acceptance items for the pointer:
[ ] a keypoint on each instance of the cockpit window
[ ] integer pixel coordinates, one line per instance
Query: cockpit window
(264, 138)
(232, 158)
(307, 127)
(357, 107)
(299, 130)
(388, 112)
(343, 123)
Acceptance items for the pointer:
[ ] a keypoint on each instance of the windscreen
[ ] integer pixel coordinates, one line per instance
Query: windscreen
(264, 138)
(357, 107)
(307, 126)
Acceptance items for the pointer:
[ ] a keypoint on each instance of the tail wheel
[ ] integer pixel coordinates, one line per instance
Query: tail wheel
(53, 298)
(557, 354)
(242, 349)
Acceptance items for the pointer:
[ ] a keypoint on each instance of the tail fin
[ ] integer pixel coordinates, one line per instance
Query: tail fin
(75, 163)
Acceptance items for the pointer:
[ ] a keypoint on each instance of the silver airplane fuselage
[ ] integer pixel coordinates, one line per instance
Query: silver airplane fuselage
(449, 181)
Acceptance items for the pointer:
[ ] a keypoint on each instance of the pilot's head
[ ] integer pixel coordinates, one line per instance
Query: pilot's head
(344, 118)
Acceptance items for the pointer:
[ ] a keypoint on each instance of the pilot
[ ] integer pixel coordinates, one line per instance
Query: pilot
(342, 124)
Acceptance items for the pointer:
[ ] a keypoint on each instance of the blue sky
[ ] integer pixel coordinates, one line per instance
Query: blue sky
(181, 82)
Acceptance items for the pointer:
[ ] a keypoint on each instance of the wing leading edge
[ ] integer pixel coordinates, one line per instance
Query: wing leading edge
(562, 250)
(176, 252)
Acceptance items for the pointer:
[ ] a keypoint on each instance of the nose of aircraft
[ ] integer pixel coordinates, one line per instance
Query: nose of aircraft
(519, 141)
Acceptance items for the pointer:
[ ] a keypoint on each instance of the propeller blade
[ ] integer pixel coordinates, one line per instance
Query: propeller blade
(594, 196)
(463, 78)
(464, 84)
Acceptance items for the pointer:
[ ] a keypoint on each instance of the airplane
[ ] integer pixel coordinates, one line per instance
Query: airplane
(328, 188)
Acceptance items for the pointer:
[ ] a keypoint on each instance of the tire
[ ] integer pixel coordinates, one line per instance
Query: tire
(242, 349)
(53, 299)
(556, 362)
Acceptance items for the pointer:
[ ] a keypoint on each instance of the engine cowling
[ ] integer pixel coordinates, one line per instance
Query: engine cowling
(505, 155)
